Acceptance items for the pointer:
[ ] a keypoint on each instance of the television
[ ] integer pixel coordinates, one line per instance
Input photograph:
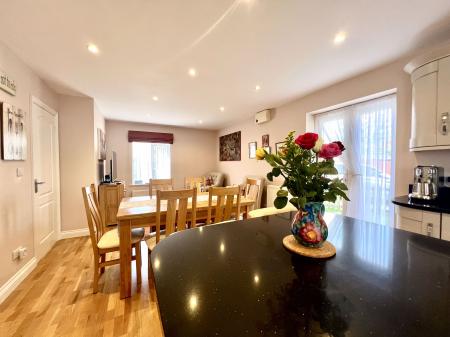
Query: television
(113, 167)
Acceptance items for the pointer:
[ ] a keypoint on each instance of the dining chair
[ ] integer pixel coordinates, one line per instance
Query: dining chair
(174, 215)
(252, 190)
(103, 241)
(194, 182)
(225, 203)
(160, 184)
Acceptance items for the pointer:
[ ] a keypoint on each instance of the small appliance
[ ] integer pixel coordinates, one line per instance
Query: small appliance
(427, 182)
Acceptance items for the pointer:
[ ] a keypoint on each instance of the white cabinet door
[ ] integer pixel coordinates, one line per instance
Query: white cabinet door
(431, 224)
(424, 105)
(408, 219)
(445, 227)
(443, 105)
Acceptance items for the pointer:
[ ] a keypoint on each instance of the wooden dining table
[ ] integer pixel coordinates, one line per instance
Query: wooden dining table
(141, 212)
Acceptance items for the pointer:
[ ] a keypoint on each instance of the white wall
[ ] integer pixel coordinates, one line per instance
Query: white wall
(292, 116)
(16, 198)
(193, 150)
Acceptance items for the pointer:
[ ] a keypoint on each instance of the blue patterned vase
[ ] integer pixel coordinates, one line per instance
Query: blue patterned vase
(309, 227)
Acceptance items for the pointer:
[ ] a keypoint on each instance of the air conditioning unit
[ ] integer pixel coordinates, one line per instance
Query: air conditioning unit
(262, 116)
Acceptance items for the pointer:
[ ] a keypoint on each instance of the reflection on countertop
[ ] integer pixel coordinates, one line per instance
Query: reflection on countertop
(441, 205)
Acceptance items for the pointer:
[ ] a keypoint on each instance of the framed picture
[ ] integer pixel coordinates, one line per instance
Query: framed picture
(230, 147)
(101, 145)
(252, 150)
(13, 134)
(278, 147)
(268, 149)
(265, 140)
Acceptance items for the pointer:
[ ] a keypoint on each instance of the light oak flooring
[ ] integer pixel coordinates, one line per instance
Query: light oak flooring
(56, 299)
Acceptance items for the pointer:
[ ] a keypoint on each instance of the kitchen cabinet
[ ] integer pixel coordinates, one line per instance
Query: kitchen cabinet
(418, 221)
(430, 128)
(445, 234)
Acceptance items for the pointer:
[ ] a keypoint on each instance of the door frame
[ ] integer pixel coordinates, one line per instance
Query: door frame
(36, 101)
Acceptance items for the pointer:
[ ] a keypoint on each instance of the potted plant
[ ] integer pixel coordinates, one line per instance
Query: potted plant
(310, 177)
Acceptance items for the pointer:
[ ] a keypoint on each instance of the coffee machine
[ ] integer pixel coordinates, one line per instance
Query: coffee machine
(427, 181)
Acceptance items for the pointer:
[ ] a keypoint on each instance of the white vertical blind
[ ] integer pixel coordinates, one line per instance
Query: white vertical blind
(368, 132)
(150, 161)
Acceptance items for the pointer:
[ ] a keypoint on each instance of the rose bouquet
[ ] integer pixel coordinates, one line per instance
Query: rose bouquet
(307, 166)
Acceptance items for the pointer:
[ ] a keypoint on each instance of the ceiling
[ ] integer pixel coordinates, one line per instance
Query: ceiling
(147, 46)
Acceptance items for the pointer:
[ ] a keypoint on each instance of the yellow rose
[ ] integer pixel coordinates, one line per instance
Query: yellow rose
(260, 154)
(318, 145)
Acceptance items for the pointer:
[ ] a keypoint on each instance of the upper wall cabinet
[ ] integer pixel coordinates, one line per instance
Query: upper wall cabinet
(430, 122)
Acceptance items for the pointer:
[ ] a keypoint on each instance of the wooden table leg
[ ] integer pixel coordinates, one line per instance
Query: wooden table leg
(245, 215)
(125, 258)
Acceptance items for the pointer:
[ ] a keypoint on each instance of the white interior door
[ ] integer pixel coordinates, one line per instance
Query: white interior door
(46, 177)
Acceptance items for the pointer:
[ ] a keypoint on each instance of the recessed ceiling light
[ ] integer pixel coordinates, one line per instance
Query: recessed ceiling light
(192, 72)
(92, 48)
(200, 121)
(222, 108)
(340, 37)
(155, 98)
(257, 87)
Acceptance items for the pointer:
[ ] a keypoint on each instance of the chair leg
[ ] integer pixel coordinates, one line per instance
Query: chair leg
(137, 248)
(102, 260)
(149, 265)
(96, 275)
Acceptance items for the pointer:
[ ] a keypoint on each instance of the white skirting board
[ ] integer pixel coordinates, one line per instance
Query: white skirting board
(73, 233)
(18, 277)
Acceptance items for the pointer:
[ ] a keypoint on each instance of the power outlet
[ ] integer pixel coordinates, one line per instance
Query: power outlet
(15, 254)
(22, 252)
(19, 253)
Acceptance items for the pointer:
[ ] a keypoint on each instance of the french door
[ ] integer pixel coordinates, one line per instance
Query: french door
(367, 165)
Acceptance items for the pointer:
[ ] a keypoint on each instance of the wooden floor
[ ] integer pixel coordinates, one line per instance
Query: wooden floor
(56, 299)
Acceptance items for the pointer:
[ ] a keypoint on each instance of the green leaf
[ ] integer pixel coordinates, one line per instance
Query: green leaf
(276, 171)
(294, 202)
(280, 202)
(282, 193)
(270, 176)
(302, 202)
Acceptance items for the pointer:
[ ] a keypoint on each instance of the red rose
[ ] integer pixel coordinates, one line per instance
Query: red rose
(329, 151)
(307, 140)
(341, 146)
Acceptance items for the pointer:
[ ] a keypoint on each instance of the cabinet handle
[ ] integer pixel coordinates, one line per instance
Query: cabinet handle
(444, 118)
(429, 229)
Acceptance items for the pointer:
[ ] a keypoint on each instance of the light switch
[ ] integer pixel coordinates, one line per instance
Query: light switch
(19, 172)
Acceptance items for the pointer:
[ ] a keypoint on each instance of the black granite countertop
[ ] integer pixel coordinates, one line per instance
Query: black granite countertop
(236, 279)
(439, 206)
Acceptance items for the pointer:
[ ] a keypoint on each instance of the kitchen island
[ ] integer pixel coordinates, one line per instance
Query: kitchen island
(236, 279)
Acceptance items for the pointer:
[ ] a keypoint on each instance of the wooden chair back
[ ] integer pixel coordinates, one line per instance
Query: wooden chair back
(194, 182)
(177, 210)
(95, 223)
(223, 210)
(159, 185)
(252, 190)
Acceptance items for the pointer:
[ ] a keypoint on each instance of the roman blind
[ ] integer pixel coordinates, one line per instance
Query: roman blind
(150, 137)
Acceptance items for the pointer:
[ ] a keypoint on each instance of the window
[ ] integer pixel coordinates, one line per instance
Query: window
(367, 130)
(150, 161)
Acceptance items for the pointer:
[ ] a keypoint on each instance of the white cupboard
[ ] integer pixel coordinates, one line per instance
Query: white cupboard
(430, 120)
(418, 221)
(445, 234)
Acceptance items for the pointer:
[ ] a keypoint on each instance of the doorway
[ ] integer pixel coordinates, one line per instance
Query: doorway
(46, 198)
(367, 130)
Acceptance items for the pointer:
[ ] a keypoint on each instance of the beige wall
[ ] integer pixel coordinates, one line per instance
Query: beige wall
(16, 198)
(292, 116)
(99, 123)
(193, 150)
(76, 157)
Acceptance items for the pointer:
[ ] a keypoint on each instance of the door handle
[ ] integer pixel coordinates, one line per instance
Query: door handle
(444, 119)
(429, 229)
(36, 185)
